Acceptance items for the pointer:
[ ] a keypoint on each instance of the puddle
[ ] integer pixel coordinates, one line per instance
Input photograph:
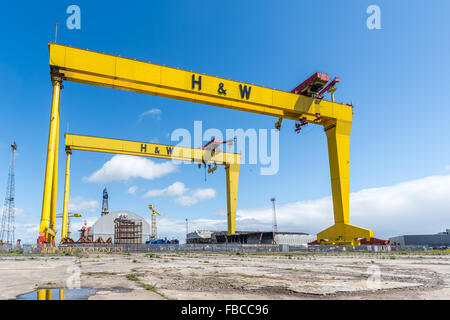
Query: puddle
(65, 294)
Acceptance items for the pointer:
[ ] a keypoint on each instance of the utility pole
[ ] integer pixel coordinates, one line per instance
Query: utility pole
(274, 218)
(8, 225)
(187, 230)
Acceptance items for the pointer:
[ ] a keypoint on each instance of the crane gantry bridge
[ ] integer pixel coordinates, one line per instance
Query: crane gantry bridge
(231, 161)
(99, 69)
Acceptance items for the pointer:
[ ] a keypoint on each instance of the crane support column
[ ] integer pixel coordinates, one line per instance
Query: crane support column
(232, 173)
(45, 232)
(54, 185)
(65, 219)
(49, 294)
(338, 136)
(41, 294)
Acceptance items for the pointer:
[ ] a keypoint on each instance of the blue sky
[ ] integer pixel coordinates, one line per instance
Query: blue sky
(396, 77)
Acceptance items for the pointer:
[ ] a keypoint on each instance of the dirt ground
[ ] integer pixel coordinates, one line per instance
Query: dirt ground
(424, 275)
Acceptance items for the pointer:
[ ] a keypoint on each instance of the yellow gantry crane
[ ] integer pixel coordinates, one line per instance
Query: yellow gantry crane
(94, 68)
(231, 162)
(154, 213)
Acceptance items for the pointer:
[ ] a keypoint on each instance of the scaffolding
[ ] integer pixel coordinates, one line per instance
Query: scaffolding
(127, 231)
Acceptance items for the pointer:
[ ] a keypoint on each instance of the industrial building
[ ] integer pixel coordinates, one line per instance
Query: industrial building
(126, 226)
(199, 236)
(251, 237)
(431, 240)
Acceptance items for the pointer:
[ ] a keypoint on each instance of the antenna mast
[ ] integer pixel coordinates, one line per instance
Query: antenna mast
(8, 224)
(56, 32)
(187, 230)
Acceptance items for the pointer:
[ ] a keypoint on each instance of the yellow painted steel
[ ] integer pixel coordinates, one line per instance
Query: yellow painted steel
(94, 68)
(54, 184)
(45, 231)
(96, 144)
(145, 149)
(41, 294)
(232, 172)
(84, 66)
(49, 294)
(65, 218)
(338, 137)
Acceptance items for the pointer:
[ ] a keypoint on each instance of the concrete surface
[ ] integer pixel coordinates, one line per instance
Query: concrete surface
(233, 276)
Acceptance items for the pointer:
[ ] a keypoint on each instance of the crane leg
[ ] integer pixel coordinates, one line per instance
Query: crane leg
(338, 136)
(54, 185)
(44, 230)
(49, 294)
(65, 219)
(232, 173)
(41, 293)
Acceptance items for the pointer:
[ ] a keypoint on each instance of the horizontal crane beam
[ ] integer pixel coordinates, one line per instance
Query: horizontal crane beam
(231, 161)
(89, 67)
(145, 149)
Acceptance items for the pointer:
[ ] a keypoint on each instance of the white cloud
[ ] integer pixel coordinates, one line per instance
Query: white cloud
(26, 232)
(447, 167)
(125, 167)
(18, 213)
(419, 206)
(80, 205)
(184, 196)
(156, 113)
(132, 189)
(155, 193)
(176, 189)
(196, 196)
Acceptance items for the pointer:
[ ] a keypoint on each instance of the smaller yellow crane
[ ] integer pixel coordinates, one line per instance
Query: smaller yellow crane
(67, 232)
(154, 213)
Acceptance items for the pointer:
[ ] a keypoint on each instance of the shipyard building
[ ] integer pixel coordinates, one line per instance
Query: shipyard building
(251, 237)
(124, 227)
(441, 239)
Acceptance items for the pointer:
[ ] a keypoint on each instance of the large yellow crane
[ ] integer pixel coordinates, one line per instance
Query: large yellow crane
(94, 68)
(154, 213)
(231, 162)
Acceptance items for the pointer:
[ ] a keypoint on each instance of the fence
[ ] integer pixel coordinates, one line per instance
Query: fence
(97, 248)
(125, 248)
(343, 248)
(5, 247)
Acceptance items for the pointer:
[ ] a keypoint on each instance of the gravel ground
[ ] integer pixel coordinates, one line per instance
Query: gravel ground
(424, 275)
